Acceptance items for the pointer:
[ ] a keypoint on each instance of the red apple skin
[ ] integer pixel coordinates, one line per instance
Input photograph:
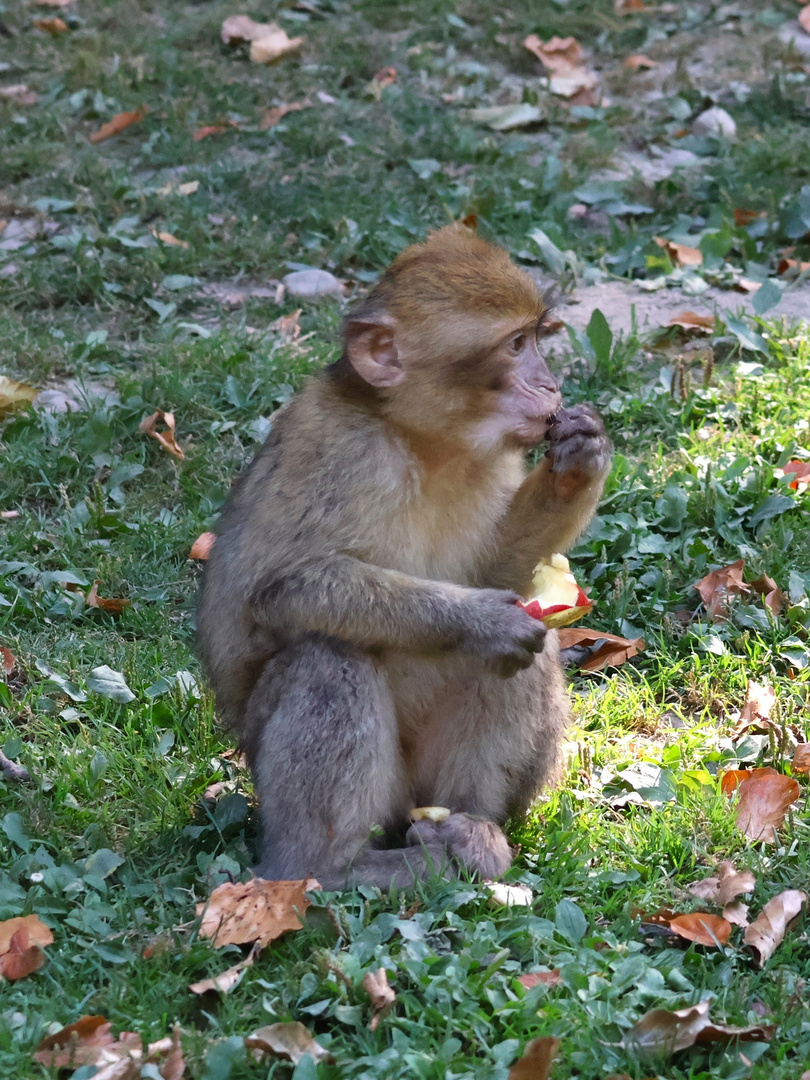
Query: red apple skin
(557, 615)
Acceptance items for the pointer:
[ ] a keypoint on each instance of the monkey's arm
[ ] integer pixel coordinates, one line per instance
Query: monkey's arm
(555, 502)
(377, 609)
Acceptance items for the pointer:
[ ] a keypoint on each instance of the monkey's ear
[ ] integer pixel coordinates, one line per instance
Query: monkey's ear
(372, 350)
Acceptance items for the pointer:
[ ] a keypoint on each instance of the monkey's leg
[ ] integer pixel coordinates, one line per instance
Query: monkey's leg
(491, 746)
(323, 746)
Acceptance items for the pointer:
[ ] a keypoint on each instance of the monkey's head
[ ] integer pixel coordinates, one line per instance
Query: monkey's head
(447, 345)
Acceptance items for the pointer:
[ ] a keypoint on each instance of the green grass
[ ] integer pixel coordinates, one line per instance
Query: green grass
(695, 486)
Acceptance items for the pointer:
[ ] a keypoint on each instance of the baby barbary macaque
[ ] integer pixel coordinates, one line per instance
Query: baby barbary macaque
(359, 619)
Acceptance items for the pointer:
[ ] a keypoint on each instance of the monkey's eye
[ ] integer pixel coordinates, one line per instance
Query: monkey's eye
(516, 344)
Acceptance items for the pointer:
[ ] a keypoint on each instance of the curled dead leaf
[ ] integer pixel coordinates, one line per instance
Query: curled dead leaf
(770, 592)
(690, 320)
(169, 240)
(718, 586)
(38, 933)
(538, 1057)
(724, 886)
(273, 45)
(639, 62)
(800, 763)
(661, 1031)
(53, 26)
(760, 699)
(258, 910)
(166, 438)
(563, 59)
(119, 123)
(226, 980)
(375, 983)
(764, 798)
(210, 129)
(21, 958)
(270, 117)
(288, 326)
(611, 649)
(702, 928)
(793, 266)
(731, 779)
(14, 395)
(113, 606)
(680, 254)
(541, 978)
(201, 548)
(768, 929)
(8, 661)
(736, 913)
(87, 1042)
(291, 1040)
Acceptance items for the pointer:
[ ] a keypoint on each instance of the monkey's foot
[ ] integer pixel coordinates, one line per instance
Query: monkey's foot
(478, 844)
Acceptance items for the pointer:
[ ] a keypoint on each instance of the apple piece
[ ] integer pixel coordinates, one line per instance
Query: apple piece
(503, 895)
(430, 813)
(558, 600)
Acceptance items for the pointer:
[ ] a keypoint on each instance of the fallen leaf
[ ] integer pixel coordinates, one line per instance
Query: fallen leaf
(680, 254)
(19, 94)
(119, 123)
(768, 929)
(804, 18)
(660, 1031)
(760, 699)
(719, 586)
(8, 661)
(507, 117)
(169, 240)
(736, 913)
(166, 438)
(800, 763)
(628, 7)
(14, 394)
(9, 515)
(201, 548)
(544, 978)
(53, 26)
(612, 649)
(375, 983)
(173, 1067)
(114, 606)
(770, 592)
(743, 217)
(291, 1040)
(744, 285)
(726, 885)
(792, 264)
(273, 45)
(799, 469)
(564, 60)
(21, 958)
(764, 798)
(270, 117)
(690, 320)
(87, 1042)
(38, 933)
(226, 980)
(238, 29)
(188, 188)
(384, 78)
(210, 129)
(639, 62)
(288, 326)
(257, 911)
(538, 1057)
(702, 928)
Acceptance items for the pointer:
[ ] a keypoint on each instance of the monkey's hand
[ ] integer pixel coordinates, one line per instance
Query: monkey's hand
(579, 449)
(501, 633)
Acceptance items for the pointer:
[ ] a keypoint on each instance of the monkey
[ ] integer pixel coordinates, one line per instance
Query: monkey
(359, 618)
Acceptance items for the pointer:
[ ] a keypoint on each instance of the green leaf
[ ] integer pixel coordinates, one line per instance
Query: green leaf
(12, 826)
(767, 296)
(749, 339)
(223, 1056)
(65, 685)
(102, 863)
(163, 310)
(425, 167)
(570, 921)
(550, 253)
(174, 282)
(771, 507)
(506, 117)
(600, 336)
(110, 684)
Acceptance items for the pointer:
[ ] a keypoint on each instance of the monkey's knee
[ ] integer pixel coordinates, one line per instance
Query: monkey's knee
(476, 843)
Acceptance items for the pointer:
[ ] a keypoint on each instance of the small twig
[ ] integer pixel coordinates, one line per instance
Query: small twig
(12, 771)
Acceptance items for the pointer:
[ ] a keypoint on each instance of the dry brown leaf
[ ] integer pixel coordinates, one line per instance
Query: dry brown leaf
(169, 240)
(639, 62)
(800, 763)
(258, 910)
(87, 1042)
(38, 933)
(21, 958)
(613, 650)
(201, 548)
(9, 515)
(767, 931)
(764, 798)
(744, 285)
(113, 606)
(238, 29)
(538, 1057)
(663, 1032)
(799, 470)
(375, 983)
(628, 7)
(702, 928)
(760, 699)
(291, 1040)
(53, 26)
(14, 395)
(719, 586)
(166, 438)
(770, 592)
(546, 978)
(211, 129)
(173, 1065)
(384, 78)
(743, 217)
(724, 886)
(564, 61)
(272, 45)
(288, 326)
(188, 188)
(119, 123)
(792, 264)
(736, 913)
(271, 117)
(690, 320)
(680, 254)
(226, 980)
(8, 661)
(804, 18)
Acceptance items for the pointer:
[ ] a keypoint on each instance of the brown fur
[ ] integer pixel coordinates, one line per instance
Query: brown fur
(354, 622)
